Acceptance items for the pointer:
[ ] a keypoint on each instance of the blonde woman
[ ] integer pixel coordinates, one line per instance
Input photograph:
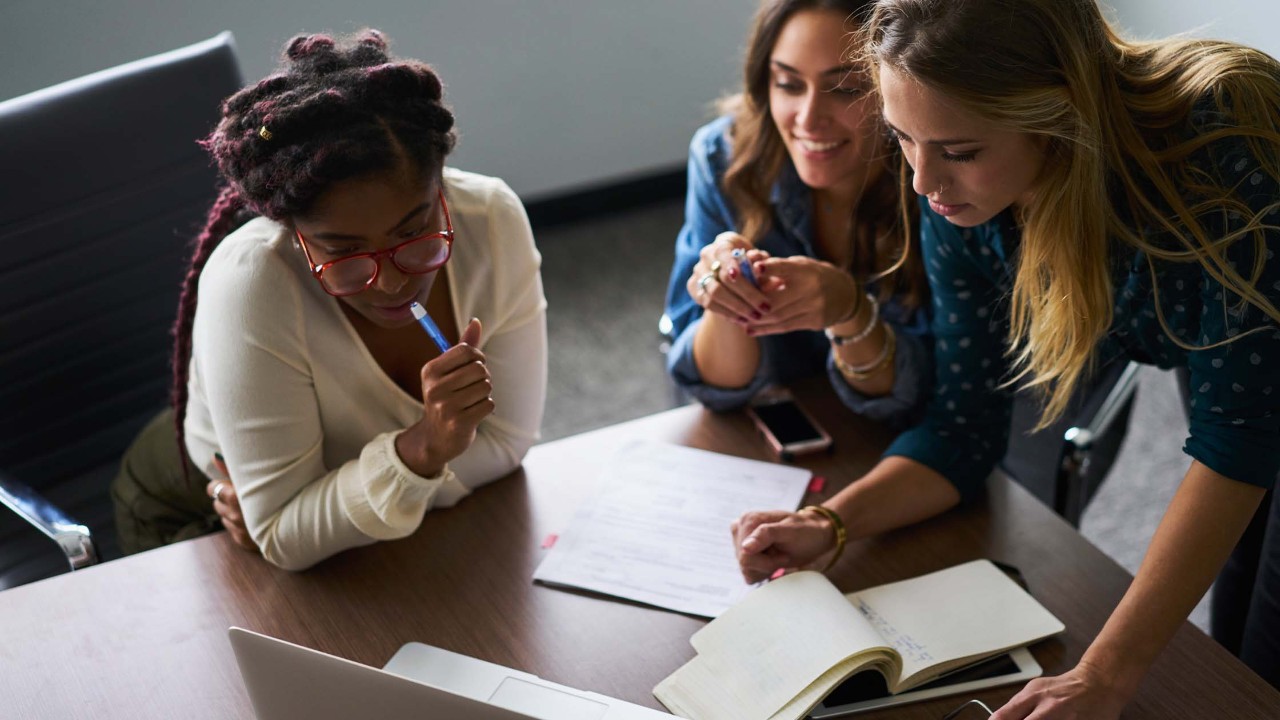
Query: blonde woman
(798, 175)
(1082, 197)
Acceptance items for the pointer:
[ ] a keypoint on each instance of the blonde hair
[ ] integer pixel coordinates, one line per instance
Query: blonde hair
(1114, 114)
(759, 154)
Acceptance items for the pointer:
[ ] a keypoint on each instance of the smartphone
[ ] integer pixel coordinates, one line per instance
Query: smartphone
(788, 429)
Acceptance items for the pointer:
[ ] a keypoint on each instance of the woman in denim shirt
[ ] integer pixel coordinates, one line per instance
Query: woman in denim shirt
(796, 179)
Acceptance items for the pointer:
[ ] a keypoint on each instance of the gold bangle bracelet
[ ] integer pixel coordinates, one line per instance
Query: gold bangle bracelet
(837, 525)
(865, 372)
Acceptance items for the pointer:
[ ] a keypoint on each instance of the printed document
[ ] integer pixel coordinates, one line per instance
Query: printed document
(657, 531)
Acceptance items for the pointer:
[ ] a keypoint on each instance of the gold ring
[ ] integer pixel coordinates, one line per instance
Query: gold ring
(702, 282)
(715, 269)
(217, 490)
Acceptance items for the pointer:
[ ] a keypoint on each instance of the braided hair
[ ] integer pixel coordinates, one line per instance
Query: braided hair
(336, 110)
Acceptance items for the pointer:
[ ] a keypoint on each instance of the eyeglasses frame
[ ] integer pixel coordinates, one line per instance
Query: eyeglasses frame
(956, 713)
(317, 271)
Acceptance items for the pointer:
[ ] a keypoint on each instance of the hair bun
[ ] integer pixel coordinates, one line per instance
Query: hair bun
(313, 53)
(407, 79)
(303, 47)
(375, 38)
(369, 49)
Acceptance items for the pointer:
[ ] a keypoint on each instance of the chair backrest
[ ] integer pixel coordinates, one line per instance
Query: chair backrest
(1036, 459)
(104, 189)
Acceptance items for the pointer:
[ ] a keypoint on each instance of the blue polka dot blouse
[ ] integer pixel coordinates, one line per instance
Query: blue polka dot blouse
(1235, 388)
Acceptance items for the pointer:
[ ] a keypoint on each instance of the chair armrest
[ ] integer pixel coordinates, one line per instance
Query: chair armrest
(74, 539)
(1094, 424)
(666, 327)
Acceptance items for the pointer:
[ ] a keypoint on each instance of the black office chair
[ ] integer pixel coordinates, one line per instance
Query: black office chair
(105, 187)
(1065, 464)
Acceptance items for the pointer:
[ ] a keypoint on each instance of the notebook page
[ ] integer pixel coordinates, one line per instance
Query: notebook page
(764, 652)
(969, 610)
(657, 530)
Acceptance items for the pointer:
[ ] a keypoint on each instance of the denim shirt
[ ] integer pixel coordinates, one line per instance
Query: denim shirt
(790, 356)
(1235, 387)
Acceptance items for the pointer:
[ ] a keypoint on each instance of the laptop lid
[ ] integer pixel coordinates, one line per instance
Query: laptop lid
(501, 685)
(287, 681)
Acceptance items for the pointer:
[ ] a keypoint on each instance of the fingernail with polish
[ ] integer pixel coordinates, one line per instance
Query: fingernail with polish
(733, 273)
(765, 307)
(756, 314)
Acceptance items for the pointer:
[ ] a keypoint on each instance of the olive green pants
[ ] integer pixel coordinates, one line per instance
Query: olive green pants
(154, 503)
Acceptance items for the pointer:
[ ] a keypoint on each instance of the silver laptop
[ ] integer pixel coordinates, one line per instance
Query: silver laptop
(287, 681)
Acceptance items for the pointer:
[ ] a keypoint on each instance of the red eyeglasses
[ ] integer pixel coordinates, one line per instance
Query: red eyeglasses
(415, 256)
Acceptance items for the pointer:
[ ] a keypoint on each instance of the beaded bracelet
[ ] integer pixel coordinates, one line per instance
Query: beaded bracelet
(862, 334)
(837, 525)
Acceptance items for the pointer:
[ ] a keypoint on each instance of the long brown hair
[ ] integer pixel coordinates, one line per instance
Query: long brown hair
(1115, 117)
(879, 232)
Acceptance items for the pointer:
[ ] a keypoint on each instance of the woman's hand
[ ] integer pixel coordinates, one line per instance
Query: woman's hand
(779, 540)
(726, 292)
(227, 504)
(456, 396)
(805, 294)
(1082, 693)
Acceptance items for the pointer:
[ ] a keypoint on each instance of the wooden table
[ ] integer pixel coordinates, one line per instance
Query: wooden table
(146, 636)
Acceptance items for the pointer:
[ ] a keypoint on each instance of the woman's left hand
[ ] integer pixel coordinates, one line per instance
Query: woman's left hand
(805, 294)
(1082, 693)
(226, 502)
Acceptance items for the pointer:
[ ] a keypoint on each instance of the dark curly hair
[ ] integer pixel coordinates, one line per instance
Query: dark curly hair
(335, 110)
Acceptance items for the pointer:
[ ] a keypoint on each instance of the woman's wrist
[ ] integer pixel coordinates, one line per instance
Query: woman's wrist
(866, 367)
(850, 300)
(412, 450)
(858, 326)
(1117, 671)
(836, 524)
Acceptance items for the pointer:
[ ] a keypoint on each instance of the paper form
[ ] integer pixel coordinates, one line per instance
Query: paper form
(657, 530)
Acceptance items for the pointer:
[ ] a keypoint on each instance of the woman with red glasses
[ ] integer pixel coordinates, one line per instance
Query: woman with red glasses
(323, 417)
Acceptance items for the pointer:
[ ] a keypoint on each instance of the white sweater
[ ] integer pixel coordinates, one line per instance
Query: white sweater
(283, 387)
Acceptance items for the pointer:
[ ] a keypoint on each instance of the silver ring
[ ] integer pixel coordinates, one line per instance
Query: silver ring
(217, 490)
(702, 283)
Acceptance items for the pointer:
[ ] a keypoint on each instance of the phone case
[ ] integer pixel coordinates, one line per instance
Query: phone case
(789, 451)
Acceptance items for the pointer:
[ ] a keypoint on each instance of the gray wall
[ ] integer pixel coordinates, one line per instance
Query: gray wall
(1252, 22)
(550, 94)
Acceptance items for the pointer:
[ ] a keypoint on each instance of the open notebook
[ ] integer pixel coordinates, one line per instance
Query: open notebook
(790, 643)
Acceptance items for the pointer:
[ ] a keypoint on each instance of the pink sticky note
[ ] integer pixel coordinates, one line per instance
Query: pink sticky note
(549, 541)
(817, 483)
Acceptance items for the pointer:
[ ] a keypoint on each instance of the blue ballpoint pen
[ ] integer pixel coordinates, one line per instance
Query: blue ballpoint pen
(429, 325)
(744, 265)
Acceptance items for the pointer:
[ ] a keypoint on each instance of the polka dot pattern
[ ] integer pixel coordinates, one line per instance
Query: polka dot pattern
(1235, 423)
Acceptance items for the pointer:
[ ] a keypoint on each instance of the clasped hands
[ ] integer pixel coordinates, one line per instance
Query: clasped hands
(791, 293)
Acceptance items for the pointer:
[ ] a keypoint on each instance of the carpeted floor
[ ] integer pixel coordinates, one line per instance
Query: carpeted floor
(605, 282)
